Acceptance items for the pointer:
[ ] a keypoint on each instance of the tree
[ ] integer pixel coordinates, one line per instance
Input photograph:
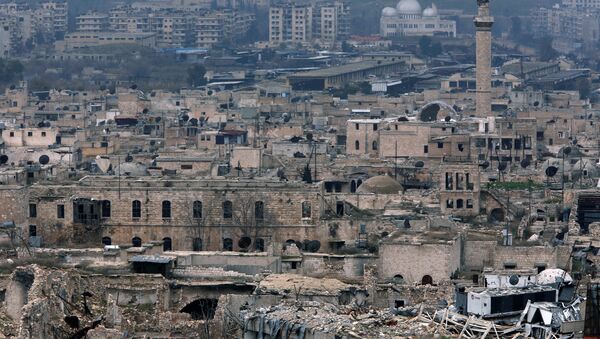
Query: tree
(429, 48)
(347, 48)
(196, 75)
(545, 49)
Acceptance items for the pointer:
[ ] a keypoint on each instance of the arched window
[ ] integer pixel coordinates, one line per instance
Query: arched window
(197, 244)
(398, 279)
(259, 210)
(166, 209)
(227, 209)
(106, 209)
(244, 242)
(427, 280)
(167, 244)
(227, 244)
(197, 210)
(306, 209)
(357, 145)
(136, 242)
(259, 244)
(374, 145)
(106, 241)
(353, 186)
(460, 203)
(136, 209)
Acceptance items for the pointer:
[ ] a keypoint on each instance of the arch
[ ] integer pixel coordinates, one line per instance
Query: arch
(136, 209)
(428, 112)
(357, 145)
(197, 244)
(166, 209)
(398, 279)
(167, 244)
(497, 215)
(244, 243)
(136, 242)
(197, 210)
(227, 209)
(227, 244)
(306, 209)
(375, 145)
(259, 210)
(106, 241)
(259, 244)
(353, 186)
(427, 280)
(201, 309)
(106, 208)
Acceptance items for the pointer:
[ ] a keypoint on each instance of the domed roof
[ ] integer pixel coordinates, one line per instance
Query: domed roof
(409, 7)
(389, 11)
(382, 184)
(430, 11)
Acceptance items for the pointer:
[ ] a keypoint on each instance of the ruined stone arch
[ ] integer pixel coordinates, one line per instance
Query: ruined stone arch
(428, 113)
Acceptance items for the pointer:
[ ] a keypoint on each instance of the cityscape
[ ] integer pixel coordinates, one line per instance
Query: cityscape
(299, 169)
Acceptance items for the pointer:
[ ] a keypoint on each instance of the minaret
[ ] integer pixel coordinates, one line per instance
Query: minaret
(483, 25)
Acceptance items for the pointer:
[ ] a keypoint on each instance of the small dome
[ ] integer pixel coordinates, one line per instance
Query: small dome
(430, 11)
(382, 184)
(389, 11)
(409, 7)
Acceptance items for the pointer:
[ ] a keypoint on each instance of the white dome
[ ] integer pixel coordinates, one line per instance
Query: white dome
(409, 7)
(389, 11)
(430, 11)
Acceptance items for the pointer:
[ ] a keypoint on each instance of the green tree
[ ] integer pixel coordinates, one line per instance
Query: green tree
(196, 75)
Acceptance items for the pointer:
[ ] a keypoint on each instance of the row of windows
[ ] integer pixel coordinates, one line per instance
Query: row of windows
(374, 145)
(197, 243)
(166, 212)
(29, 134)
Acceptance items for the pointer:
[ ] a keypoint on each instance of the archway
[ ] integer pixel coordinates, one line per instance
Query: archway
(427, 280)
(201, 309)
(167, 244)
(106, 241)
(430, 111)
(136, 242)
(244, 243)
(497, 215)
(227, 244)
(398, 279)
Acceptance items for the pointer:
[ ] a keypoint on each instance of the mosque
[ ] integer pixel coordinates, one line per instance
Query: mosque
(409, 19)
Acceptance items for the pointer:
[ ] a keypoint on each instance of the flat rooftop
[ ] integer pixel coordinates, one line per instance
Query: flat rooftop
(344, 69)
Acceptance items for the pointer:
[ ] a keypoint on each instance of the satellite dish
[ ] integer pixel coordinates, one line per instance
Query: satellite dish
(185, 118)
(419, 164)
(447, 118)
(485, 164)
(513, 280)
(313, 246)
(551, 171)
(44, 159)
(194, 122)
(158, 119)
(502, 166)
(574, 141)
(567, 150)
(525, 163)
(128, 158)
(3, 159)
(286, 117)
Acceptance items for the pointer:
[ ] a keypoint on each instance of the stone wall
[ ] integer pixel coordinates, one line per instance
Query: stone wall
(413, 261)
(478, 254)
(532, 256)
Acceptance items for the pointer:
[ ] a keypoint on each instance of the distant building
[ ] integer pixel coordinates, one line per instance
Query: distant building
(92, 22)
(324, 23)
(408, 19)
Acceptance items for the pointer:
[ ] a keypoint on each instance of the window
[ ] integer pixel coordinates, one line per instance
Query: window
(187, 167)
(357, 126)
(197, 244)
(469, 203)
(106, 241)
(357, 145)
(106, 209)
(374, 145)
(167, 244)
(12, 134)
(227, 209)
(29, 134)
(136, 242)
(227, 244)
(136, 209)
(259, 210)
(43, 134)
(32, 210)
(440, 145)
(425, 149)
(166, 209)
(375, 126)
(60, 211)
(197, 210)
(449, 203)
(306, 209)
(32, 231)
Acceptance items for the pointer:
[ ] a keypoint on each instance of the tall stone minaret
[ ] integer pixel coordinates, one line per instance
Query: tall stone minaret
(483, 25)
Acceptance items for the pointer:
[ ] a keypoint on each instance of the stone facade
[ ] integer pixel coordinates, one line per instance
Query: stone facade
(460, 190)
(483, 37)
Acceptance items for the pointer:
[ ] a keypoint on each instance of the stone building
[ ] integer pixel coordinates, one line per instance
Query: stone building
(460, 189)
(197, 214)
(408, 19)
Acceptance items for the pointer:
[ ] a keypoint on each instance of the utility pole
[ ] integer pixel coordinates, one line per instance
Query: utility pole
(396, 161)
